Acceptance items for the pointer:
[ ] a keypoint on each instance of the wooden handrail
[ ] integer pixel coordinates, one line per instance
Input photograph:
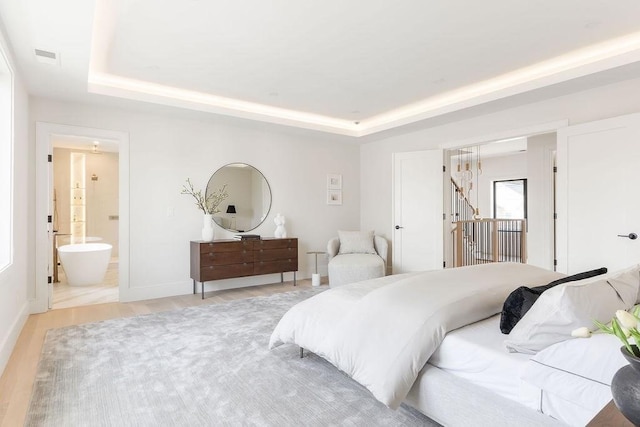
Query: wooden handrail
(491, 220)
(460, 209)
(464, 196)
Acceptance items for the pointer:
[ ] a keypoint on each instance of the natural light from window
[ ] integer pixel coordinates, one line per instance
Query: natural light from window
(6, 161)
(510, 199)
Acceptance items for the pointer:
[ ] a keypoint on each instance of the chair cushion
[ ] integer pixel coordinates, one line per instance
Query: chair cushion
(356, 242)
(351, 268)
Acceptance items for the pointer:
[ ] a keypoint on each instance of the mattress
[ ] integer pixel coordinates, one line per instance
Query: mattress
(555, 381)
(476, 353)
(575, 377)
(452, 401)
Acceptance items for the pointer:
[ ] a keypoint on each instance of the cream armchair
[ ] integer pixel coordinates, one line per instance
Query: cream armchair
(358, 264)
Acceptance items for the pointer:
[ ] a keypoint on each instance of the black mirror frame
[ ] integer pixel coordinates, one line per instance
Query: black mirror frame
(268, 186)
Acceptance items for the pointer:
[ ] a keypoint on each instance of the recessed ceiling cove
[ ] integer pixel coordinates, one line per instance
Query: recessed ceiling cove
(351, 67)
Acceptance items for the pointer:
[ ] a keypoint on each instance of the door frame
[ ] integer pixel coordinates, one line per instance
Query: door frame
(528, 131)
(40, 295)
(507, 134)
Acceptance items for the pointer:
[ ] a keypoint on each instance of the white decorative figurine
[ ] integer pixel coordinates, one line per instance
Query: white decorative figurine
(280, 232)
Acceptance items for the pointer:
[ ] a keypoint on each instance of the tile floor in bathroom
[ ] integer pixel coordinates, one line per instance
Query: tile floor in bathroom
(65, 296)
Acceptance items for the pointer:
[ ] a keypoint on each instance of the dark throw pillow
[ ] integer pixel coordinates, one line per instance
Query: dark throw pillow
(521, 300)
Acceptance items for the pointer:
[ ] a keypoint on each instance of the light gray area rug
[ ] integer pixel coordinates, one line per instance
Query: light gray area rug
(200, 366)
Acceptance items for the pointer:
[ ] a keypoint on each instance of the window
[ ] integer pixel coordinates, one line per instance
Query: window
(510, 199)
(6, 161)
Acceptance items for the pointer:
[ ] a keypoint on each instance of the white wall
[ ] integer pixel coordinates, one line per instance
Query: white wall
(165, 150)
(16, 278)
(102, 198)
(61, 184)
(375, 157)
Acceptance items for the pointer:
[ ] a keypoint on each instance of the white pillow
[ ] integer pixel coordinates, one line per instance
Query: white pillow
(572, 305)
(356, 242)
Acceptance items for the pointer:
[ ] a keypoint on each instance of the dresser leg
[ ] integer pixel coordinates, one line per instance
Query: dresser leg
(202, 284)
(281, 277)
(294, 278)
(194, 286)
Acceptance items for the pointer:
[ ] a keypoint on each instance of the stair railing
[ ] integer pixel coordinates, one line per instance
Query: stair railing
(481, 241)
(461, 207)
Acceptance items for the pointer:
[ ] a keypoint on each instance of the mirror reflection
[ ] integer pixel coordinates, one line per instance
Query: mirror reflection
(249, 198)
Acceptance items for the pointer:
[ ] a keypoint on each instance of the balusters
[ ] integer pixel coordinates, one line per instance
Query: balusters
(489, 240)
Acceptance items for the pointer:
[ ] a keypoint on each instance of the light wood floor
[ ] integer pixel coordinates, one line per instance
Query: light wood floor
(17, 381)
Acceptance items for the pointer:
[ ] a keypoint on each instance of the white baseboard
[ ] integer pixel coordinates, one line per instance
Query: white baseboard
(151, 292)
(9, 340)
(186, 287)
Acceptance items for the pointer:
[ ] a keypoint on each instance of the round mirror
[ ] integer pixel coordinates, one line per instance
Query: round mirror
(249, 197)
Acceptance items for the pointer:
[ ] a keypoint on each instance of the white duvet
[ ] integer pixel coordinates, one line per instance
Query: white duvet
(381, 332)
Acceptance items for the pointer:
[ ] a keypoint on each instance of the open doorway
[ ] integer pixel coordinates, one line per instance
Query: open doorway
(517, 173)
(46, 133)
(85, 221)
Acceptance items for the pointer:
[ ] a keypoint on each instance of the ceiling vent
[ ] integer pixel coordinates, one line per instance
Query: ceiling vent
(47, 57)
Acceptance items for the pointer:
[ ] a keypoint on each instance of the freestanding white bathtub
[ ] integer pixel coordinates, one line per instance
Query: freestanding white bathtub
(85, 263)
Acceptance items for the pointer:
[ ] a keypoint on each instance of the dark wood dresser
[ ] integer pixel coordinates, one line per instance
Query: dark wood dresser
(226, 259)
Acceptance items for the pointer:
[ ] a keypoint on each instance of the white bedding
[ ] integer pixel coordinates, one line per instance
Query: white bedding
(569, 381)
(477, 354)
(575, 377)
(381, 332)
(453, 401)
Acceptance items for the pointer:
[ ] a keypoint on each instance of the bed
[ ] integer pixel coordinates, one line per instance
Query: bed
(431, 340)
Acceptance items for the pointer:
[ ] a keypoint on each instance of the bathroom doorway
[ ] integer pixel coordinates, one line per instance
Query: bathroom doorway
(85, 221)
(41, 294)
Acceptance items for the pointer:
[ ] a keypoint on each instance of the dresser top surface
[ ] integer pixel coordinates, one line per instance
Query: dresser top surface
(245, 240)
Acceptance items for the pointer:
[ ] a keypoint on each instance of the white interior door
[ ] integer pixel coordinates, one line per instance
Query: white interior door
(598, 206)
(418, 210)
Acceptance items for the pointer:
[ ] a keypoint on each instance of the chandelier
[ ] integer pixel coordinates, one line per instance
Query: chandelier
(469, 167)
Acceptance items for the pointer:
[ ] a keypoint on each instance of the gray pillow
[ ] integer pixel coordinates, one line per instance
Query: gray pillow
(356, 242)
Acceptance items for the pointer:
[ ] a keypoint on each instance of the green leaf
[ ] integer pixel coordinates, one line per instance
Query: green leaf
(636, 338)
(617, 330)
(603, 327)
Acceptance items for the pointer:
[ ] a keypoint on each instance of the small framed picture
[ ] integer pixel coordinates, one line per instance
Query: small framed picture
(334, 181)
(334, 197)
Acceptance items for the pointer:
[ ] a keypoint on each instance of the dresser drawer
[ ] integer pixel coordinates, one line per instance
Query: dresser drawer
(225, 258)
(274, 254)
(276, 266)
(276, 244)
(226, 271)
(226, 246)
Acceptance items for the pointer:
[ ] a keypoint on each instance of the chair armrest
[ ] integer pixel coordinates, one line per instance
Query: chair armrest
(381, 246)
(333, 247)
